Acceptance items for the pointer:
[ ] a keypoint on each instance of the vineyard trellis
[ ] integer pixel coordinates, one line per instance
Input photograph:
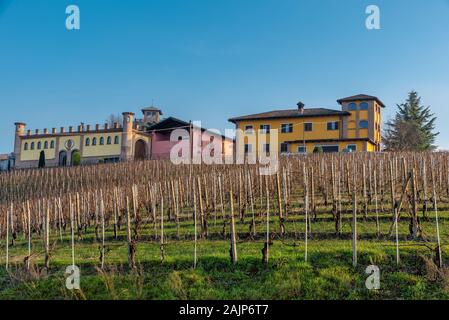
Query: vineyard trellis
(49, 204)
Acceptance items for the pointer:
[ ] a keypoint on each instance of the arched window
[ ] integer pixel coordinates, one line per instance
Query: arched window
(25, 147)
(364, 106)
(94, 141)
(32, 145)
(352, 106)
(116, 140)
(46, 145)
(52, 144)
(87, 142)
(363, 124)
(39, 145)
(109, 140)
(101, 141)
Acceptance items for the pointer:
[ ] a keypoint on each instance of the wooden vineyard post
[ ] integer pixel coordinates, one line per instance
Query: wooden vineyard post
(29, 234)
(7, 240)
(266, 249)
(253, 218)
(203, 218)
(131, 245)
(102, 229)
(306, 212)
(47, 237)
(72, 230)
(162, 249)
(195, 226)
(424, 209)
(233, 250)
(116, 206)
(281, 215)
(395, 212)
(354, 229)
(438, 249)
(376, 205)
(354, 220)
(415, 228)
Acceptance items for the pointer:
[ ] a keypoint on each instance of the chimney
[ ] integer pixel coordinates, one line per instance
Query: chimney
(300, 107)
(88, 127)
(53, 130)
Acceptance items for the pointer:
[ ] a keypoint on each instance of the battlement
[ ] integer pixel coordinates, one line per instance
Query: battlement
(80, 129)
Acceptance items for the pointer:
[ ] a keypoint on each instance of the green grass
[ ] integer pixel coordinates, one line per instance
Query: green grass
(328, 274)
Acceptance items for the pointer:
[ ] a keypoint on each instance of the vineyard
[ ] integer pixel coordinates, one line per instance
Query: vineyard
(155, 230)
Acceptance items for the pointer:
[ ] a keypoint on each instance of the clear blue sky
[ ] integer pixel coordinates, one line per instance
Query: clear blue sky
(212, 59)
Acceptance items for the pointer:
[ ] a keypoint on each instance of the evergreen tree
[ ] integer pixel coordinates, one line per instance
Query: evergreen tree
(412, 127)
(42, 159)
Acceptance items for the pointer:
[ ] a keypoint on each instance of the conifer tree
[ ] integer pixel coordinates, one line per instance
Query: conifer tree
(412, 128)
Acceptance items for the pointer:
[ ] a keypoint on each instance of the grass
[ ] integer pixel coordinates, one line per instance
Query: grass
(328, 273)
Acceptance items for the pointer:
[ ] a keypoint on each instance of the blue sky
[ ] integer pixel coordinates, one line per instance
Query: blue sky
(210, 60)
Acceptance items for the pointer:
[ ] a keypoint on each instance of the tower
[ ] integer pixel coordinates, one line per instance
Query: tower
(127, 136)
(20, 131)
(365, 119)
(151, 115)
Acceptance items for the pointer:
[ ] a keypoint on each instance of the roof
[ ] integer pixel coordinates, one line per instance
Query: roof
(171, 123)
(292, 113)
(152, 109)
(361, 97)
(4, 157)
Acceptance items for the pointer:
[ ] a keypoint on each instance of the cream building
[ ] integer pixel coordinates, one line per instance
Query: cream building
(99, 144)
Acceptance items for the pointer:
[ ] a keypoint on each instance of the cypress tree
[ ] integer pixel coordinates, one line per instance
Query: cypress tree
(42, 159)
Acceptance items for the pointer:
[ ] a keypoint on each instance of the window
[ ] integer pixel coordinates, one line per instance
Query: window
(109, 140)
(248, 148)
(327, 149)
(116, 140)
(101, 141)
(46, 145)
(352, 106)
(364, 106)
(285, 148)
(39, 145)
(87, 142)
(287, 128)
(308, 127)
(94, 141)
(52, 144)
(264, 128)
(32, 145)
(249, 129)
(25, 147)
(302, 149)
(351, 148)
(332, 125)
(266, 147)
(363, 124)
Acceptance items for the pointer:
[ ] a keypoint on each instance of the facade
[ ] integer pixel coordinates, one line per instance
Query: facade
(356, 127)
(126, 141)
(6, 162)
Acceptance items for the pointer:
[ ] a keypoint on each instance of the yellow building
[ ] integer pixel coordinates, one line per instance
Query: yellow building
(356, 127)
